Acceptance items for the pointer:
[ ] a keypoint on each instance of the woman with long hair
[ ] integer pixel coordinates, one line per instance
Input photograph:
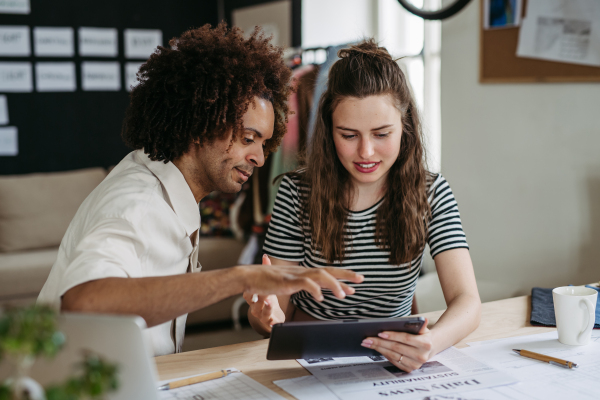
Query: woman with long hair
(364, 201)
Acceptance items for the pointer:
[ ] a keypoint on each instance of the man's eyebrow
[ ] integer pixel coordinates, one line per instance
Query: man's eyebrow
(255, 131)
(343, 128)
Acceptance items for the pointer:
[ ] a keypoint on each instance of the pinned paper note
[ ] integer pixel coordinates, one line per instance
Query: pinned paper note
(552, 31)
(3, 110)
(98, 42)
(131, 70)
(141, 43)
(101, 76)
(15, 7)
(14, 41)
(9, 145)
(53, 42)
(15, 77)
(55, 77)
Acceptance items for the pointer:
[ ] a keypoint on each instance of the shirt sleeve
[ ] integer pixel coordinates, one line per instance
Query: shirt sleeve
(445, 230)
(285, 237)
(109, 249)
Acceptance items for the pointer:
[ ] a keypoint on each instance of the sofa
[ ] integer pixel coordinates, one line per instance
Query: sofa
(35, 211)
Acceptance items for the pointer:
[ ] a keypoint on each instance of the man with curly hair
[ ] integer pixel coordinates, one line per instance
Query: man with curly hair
(205, 113)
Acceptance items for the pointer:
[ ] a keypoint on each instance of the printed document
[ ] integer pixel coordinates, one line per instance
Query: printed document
(448, 373)
(561, 30)
(541, 380)
(235, 386)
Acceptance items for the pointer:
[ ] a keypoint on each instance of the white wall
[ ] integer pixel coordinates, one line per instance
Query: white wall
(524, 163)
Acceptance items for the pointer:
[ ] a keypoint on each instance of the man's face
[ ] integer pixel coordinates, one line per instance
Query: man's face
(225, 166)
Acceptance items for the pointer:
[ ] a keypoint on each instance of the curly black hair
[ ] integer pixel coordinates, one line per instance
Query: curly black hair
(201, 87)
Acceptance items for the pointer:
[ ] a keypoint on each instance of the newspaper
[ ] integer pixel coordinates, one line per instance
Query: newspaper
(448, 373)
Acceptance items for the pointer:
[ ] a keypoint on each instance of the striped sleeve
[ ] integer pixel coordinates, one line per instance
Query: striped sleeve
(445, 227)
(285, 238)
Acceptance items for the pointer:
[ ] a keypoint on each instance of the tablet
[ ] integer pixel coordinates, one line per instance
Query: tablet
(318, 339)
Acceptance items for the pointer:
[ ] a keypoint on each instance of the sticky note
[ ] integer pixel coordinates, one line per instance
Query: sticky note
(53, 42)
(15, 77)
(100, 76)
(55, 77)
(9, 145)
(14, 41)
(141, 43)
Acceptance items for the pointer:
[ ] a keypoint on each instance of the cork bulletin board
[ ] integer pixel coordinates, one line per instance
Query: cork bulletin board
(500, 64)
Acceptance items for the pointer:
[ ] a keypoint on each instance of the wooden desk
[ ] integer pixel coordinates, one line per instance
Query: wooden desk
(503, 318)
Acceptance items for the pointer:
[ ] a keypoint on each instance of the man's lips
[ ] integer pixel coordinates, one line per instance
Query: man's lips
(243, 173)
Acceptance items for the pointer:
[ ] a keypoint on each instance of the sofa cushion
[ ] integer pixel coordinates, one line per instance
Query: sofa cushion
(22, 274)
(36, 209)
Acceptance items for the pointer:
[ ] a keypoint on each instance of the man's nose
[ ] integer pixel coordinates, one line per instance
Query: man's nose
(366, 149)
(257, 158)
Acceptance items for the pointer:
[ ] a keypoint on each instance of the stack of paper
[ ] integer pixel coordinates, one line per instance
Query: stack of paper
(487, 370)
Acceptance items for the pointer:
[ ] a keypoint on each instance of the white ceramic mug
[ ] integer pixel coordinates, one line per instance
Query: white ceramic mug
(575, 312)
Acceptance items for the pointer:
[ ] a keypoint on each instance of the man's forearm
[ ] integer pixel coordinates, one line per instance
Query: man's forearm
(156, 299)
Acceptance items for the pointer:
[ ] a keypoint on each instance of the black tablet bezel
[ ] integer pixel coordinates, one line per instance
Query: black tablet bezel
(317, 339)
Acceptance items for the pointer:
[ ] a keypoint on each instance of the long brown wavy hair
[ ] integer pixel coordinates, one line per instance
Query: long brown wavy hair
(366, 70)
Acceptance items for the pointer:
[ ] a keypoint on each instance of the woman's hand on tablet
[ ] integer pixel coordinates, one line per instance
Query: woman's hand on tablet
(405, 350)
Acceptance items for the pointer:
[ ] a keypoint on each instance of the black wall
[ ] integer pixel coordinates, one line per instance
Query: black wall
(63, 131)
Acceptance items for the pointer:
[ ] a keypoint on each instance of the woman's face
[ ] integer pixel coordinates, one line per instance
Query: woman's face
(367, 134)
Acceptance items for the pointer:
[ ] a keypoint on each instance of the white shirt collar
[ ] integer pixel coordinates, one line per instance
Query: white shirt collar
(181, 196)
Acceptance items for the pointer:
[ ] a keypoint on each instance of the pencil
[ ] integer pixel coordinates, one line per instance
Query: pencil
(548, 359)
(195, 379)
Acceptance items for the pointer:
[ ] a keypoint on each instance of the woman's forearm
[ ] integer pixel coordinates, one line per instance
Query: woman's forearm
(460, 319)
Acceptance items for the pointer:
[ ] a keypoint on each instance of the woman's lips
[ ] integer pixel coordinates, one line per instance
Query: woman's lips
(366, 167)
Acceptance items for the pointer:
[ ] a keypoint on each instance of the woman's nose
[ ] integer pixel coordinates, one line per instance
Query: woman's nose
(366, 149)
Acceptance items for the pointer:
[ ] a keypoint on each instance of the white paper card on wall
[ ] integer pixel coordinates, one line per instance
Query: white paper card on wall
(3, 110)
(15, 7)
(141, 43)
(14, 41)
(55, 77)
(9, 142)
(131, 70)
(100, 76)
(98, 42)
(15, 77)
(53, 42)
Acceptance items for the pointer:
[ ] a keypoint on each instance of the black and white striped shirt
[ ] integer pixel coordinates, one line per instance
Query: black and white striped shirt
(387, 290)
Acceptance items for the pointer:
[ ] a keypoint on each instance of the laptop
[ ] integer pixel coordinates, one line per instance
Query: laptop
(118, 339)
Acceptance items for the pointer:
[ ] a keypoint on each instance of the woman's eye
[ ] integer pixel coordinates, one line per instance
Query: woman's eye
(348, 136)
(382, 135)
(248, 141)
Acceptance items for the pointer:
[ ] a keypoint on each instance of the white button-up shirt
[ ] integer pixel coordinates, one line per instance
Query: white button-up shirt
(139, 222)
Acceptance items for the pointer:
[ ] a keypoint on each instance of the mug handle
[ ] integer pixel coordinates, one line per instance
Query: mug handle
(591, 321)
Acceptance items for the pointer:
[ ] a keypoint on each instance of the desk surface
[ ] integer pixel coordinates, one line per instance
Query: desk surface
(503, 318)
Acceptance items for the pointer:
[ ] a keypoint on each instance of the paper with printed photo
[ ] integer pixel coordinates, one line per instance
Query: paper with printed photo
(15, 77)
(98, 42)
(141, 43)
(15, 7)
(14, 41)
(55, 77)
(9, 142)
(53, 42)
(100, 76)
(448, 373)
(561, 30)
